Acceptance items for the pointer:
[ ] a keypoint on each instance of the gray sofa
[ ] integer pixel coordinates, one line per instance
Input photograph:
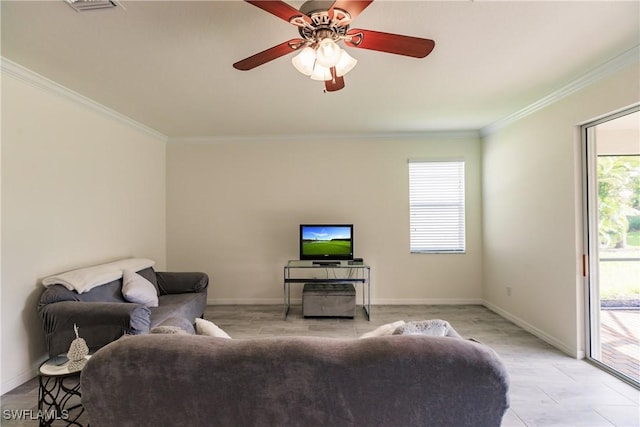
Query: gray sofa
(190, 380)
(103, 315)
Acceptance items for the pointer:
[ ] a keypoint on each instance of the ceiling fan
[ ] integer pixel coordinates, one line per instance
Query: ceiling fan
(321, 25)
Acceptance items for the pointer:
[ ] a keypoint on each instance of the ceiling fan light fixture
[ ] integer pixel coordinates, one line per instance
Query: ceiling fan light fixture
(308, 64)
(321, 73)
(305, 60)
(345, 64)
(328, 52)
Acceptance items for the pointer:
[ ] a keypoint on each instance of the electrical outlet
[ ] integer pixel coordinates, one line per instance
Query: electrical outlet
(508, 291)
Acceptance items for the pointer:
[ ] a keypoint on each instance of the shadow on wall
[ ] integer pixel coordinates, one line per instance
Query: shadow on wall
(33, 324)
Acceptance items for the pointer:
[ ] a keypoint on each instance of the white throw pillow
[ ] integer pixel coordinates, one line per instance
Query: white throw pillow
(384, 330)
(136, 288)
(205, 327)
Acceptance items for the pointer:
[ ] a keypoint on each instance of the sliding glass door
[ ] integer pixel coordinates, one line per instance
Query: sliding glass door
(612, 258)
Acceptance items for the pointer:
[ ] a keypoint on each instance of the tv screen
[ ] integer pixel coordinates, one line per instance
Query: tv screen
(326, 242)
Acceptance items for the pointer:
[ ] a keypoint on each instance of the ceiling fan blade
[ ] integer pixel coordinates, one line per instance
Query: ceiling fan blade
(354, 7)
(335, 83)
(282, 10)
(391, 43)
(269, 54)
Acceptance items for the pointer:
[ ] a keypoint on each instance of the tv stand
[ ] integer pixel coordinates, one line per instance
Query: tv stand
(307, 272)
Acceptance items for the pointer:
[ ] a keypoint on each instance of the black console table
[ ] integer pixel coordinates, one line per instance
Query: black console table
(339, 272)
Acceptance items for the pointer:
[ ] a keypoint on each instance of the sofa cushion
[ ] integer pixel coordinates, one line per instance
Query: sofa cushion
(181, 282)
(189, 306)
(57, 293)
(150, 274)
(109, 292)
(136, 288)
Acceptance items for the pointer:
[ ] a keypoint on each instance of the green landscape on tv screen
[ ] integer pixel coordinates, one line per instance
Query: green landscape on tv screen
(331, 247)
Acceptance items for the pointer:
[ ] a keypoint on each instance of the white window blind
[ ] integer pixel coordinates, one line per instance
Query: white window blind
(436, 206)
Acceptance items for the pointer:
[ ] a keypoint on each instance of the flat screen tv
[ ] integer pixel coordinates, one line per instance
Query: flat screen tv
(326, 242)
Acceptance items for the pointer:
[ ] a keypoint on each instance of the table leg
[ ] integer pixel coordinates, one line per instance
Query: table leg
(59, 400)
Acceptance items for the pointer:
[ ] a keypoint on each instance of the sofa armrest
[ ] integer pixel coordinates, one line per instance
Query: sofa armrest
(98, 323)
(181, 282)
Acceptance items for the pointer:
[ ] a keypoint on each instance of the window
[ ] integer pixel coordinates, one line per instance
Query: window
(436, 206)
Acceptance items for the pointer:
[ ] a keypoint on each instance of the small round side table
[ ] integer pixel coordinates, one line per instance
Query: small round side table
(59, 392)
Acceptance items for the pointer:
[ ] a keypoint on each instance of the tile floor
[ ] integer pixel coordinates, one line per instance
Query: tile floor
(548, 388)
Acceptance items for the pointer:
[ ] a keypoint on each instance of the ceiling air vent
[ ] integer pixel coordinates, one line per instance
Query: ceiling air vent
(85, 5)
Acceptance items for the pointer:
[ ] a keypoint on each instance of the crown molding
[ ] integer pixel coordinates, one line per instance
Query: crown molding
(621, 61)
(441, 134)
(38, 81)
(610, 67)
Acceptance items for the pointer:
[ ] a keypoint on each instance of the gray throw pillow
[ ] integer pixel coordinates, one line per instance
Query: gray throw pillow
(168, 330)
(433, 327)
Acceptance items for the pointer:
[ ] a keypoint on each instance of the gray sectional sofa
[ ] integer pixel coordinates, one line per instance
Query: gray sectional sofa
(103, 315)
(191, 380)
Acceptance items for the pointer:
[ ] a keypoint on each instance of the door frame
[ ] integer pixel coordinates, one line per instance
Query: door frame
(590, 254)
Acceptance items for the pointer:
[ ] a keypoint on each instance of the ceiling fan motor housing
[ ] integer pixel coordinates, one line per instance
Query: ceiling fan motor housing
(322, 24)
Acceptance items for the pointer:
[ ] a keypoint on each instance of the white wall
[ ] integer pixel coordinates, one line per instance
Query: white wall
(78, 187)
(233, 210)
(533, 212)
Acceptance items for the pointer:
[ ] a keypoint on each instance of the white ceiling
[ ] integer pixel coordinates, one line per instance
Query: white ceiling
(167, 64)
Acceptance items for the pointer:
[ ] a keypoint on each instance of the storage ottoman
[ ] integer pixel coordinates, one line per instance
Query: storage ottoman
(328, 300)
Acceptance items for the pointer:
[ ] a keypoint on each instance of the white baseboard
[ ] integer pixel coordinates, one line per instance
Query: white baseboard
(427, 301)
(575, 353)
(250, 301)
(383, 301)
(20, 378)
